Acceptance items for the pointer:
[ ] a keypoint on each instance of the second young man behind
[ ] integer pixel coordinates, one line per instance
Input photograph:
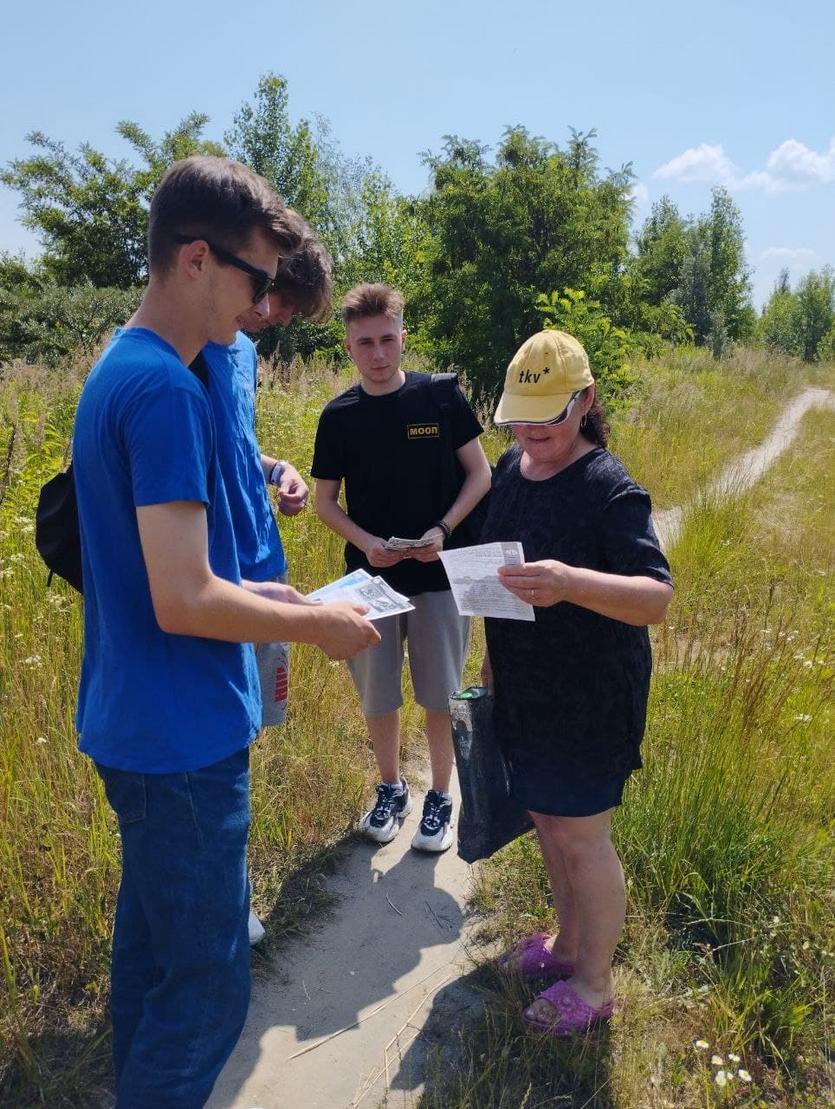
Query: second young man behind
(398, 446)
(302, 287)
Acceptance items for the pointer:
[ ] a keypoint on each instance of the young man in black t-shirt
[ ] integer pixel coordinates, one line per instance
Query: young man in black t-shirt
(413, 467)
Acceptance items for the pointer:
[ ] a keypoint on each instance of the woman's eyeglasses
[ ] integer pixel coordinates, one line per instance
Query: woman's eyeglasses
(566, 412)
(261, 280)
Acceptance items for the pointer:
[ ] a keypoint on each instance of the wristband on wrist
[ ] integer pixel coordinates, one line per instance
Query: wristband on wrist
(276, 472)
(444, 526)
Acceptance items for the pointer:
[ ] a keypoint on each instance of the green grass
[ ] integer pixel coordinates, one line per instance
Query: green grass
(724, 830)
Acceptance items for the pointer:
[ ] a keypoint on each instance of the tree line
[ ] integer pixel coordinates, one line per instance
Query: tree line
(501, 243)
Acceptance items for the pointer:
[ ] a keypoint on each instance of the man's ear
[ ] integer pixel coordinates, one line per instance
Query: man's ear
(192, 257)
(403, 335)
(346, 342)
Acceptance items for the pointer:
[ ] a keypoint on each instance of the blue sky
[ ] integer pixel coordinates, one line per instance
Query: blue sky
(738, 93)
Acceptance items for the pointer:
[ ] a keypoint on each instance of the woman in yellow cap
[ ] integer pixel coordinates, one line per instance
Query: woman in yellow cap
(571, 687)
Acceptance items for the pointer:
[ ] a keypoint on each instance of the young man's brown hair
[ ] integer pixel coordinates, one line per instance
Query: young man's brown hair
(218, 200)
(304, 280)
(372, 300)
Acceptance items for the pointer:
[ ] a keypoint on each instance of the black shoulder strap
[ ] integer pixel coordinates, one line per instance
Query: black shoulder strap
(200, 368)
(443, 389)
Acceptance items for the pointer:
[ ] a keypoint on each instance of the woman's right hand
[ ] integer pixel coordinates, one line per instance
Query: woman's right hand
(487, 672)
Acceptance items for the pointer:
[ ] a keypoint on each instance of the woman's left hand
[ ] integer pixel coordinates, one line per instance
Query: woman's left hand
(538, 583)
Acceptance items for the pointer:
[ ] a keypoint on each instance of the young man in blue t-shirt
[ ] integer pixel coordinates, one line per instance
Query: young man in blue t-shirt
(168, 700)
(302, 287)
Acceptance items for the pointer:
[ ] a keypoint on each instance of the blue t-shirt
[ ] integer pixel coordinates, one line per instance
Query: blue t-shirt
(150, 701)
(233, 374)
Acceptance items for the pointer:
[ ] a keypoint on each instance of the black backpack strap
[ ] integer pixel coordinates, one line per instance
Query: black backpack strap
(200, 368)
(443, 390)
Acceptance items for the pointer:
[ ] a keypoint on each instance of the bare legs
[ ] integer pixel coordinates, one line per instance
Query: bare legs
(385, 739)
(384, 731)
(439, 738)
(590, 899)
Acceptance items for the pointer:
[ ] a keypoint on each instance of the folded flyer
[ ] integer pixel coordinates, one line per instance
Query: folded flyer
(359, 588)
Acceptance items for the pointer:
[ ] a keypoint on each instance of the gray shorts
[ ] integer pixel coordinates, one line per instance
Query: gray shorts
(438, 639)
(273, 661)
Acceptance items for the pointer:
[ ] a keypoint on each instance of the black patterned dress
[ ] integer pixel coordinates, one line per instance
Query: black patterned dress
(571, 688)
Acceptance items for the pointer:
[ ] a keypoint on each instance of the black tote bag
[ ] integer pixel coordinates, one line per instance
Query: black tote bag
(489, 817)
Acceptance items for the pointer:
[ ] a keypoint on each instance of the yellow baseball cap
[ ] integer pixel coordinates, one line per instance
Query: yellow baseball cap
(545, 372)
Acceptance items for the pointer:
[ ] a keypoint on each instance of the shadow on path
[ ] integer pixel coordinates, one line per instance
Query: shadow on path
(318, 1026)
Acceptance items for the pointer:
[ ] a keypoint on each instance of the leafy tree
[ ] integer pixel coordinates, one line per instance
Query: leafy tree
(729, 294)
(815, 310)
(663, 246)
(800, 322)
(609, 347)
(350, 204)
(699, 265)
(777, 327)
(537, 217)
(263, 137)
(50, 323)
(90, 211)
(826, 347)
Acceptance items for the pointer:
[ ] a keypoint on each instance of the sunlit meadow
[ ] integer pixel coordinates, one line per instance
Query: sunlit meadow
(726, 967)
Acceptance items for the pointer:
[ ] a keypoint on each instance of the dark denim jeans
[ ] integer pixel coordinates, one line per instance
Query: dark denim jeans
(180, 977)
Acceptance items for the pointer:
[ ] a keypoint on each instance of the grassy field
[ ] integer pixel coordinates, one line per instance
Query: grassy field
(724, 834)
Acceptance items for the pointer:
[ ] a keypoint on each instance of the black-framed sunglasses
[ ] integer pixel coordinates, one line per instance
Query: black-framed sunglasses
(261, 280)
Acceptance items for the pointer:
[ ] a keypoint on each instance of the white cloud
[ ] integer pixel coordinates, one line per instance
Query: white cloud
(699, 163)
(639, 193)
(789, 253)
(796, 161)
(791, 166)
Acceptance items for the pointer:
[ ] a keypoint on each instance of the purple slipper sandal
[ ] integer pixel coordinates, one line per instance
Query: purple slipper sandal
(530, 959)
(571, 1013)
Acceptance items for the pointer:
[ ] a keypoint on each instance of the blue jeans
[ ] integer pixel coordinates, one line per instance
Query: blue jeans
(180, 975)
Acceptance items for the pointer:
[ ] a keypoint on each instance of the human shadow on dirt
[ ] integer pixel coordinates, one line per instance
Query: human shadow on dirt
(386, 911)
(474, 1049)
(402, 912)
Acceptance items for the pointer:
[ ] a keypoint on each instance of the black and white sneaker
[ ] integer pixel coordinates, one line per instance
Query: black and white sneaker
(435, 831)
(393, 805)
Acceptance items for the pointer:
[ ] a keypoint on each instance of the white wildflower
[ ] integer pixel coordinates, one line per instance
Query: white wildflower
(734, 1058)
(804, 717)
(716, 1060)
(744, 1075)
(701, 1045)
(721, 1079)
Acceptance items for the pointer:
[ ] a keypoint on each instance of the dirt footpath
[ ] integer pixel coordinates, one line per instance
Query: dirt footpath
(336, 1025)
(747, 470)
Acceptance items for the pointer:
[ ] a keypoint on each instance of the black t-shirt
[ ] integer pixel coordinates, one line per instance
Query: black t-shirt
(396, 455)
(571, 688)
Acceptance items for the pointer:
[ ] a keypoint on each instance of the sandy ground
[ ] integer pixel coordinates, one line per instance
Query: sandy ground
(341, 1022)
(335, 1025)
